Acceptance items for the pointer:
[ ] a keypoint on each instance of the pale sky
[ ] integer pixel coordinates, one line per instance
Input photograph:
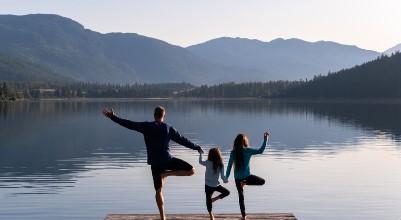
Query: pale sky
(369, 24)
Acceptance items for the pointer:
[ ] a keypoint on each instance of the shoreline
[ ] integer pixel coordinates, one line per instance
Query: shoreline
(277, 100)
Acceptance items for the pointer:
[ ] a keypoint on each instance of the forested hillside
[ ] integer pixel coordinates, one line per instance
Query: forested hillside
(12, 69)
(380, 78)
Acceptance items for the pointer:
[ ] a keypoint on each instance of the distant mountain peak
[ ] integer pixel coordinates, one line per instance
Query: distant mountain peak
(226, 38)
(290, 39)
(49, 18)
(396, 48)
(280, 39)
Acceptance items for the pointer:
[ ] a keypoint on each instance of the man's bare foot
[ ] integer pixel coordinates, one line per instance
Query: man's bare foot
(215, 199)
(243, 183)
(244, 218)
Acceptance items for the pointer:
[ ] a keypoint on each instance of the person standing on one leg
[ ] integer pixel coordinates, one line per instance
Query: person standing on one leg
(214, 168)
(157, 135)
(240, 156)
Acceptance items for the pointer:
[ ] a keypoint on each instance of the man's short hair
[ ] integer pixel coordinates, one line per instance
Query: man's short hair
(159, 112)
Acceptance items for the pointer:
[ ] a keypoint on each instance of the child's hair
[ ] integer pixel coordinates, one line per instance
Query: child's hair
(240, 142)
(215, 156)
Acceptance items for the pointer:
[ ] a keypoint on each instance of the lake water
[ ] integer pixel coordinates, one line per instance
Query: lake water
(64, 160)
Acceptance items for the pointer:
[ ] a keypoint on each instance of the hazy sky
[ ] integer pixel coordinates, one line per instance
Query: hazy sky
(368, 24)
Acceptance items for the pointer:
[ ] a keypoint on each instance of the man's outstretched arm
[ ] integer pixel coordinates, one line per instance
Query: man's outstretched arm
(137, 126)
(179, 139)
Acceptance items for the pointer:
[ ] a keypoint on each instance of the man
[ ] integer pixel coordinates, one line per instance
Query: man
(157, 136)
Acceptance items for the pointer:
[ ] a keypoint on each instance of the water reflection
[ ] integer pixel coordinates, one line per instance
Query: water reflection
(48, 145)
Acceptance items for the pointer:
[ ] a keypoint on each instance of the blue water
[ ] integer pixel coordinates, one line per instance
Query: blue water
(64, 160)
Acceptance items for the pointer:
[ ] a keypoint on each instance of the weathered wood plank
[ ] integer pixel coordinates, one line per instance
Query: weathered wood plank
(266, 216)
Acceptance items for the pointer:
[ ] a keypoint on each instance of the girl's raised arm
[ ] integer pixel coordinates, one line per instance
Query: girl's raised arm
(263, 147)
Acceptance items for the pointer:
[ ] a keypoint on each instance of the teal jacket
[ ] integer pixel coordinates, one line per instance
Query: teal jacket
(245, 170)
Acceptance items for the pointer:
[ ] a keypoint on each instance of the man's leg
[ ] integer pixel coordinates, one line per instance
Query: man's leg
(158, 184)
(160, 202)
(174, 167)
(178, 173)
(178, 167)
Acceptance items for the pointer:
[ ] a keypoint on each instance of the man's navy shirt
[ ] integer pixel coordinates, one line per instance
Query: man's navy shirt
(157, 137)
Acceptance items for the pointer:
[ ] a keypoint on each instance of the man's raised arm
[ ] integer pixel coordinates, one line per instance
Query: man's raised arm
(179, 139)
(132, 125)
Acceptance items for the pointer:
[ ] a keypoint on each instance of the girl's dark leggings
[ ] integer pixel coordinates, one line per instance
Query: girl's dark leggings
(250, 180)
(209, 192)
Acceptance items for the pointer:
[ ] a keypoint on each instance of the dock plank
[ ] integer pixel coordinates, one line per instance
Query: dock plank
(266, 216)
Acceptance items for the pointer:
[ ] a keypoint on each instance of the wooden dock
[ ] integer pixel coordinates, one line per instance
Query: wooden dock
(266, 216)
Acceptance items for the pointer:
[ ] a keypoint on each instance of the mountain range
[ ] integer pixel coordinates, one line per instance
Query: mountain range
(69, 50)
(281, 59)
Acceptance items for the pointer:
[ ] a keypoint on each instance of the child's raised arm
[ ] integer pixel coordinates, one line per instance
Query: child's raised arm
(201, 162)
(263, 147)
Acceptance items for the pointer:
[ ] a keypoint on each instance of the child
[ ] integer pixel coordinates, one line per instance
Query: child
(241, 156)
(214, 168)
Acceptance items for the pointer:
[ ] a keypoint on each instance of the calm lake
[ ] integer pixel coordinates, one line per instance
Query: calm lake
(64, 160)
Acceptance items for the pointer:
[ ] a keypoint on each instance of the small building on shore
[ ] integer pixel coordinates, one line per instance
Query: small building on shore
(43, 93)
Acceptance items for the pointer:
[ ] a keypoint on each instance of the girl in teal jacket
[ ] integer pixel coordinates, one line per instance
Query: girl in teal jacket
(240, 156)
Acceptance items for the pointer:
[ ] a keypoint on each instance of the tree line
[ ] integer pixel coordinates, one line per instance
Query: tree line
(269, 89)
(11, 90)
(35, 90)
